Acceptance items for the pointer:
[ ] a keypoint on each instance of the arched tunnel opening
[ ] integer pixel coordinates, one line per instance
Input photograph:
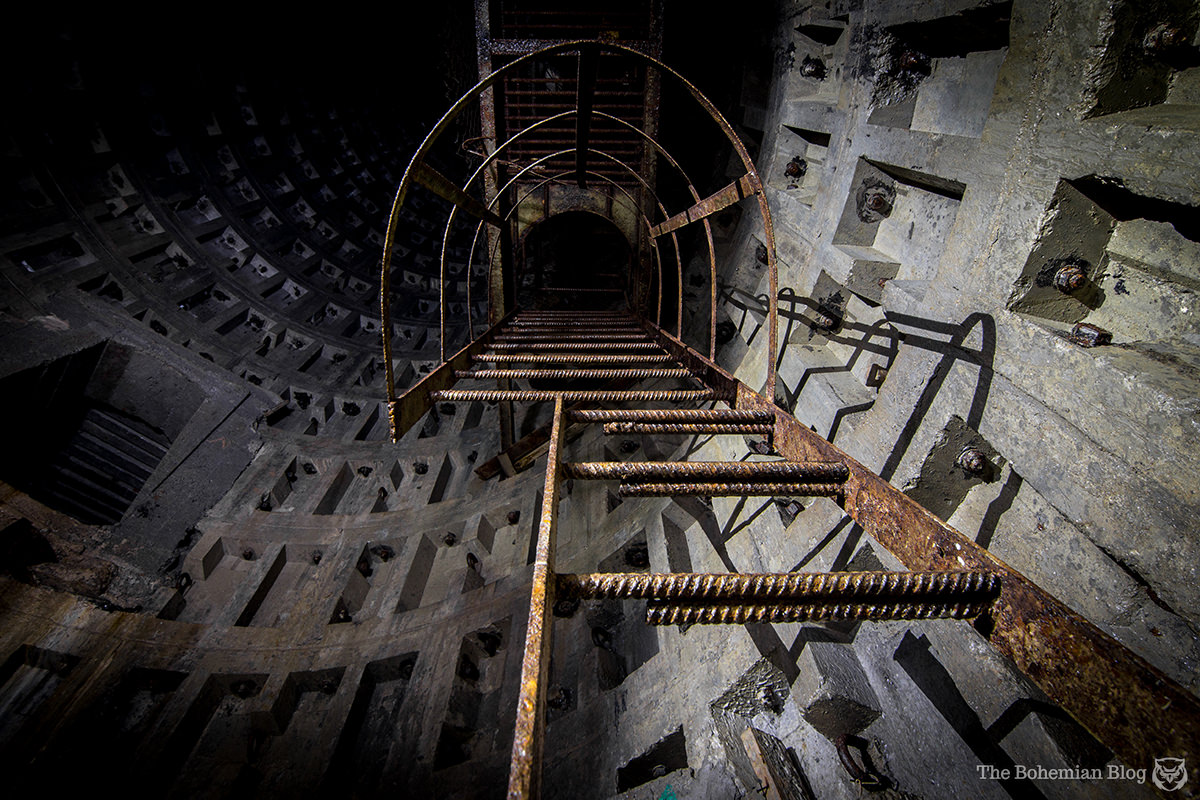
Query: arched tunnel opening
(574, 250)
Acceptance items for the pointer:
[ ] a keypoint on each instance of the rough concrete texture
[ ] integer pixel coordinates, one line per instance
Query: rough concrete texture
(270, 599)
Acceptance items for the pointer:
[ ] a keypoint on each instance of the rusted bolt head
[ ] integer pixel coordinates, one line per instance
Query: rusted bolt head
(796, 168)
(637, 556)
(1163, 37)
(420, 467)
(558, 697)
(824, 321)
(248, 553)
(812, 67)
(450, 539)
(629, 446)
(877, 202)
(514, 516)
(316, 557)
(973, 461)
(1086, 334)
(1069, 278)
(566, 607)
(472, 561)
(760, 253)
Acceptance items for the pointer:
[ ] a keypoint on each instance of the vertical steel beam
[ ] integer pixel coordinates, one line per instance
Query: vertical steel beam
(524, 779)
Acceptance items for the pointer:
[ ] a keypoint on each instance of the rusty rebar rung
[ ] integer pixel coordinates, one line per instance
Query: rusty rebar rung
(571, 358)
(713, 588)
(688, 614)
(575, 346)
(728, 416)
(569, 374)
(666, 428)
(691, 471)
(572, 396)
(582, 336)
(729, 489)
(573, 323)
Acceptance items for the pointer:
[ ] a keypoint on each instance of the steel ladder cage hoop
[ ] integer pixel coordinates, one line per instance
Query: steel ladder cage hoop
(499, 150)
(529, 167)
(623, 190)
(751, 178)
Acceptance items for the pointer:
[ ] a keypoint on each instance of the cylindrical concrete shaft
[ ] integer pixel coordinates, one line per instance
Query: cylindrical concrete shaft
(621, 428)
(746, 588)
(570, 358)
(808, 612)
(569, 374)
(691, 471)
(728, 416)
(593, 396)
(729, 489)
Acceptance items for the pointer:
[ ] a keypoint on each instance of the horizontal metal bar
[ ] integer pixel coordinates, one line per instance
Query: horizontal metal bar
(660, 471)
(591, 396)
(690, 614)
(740, 189)
(667, 428)
(730, 489)
(570, 358)
(575, 346)
(569, 374)
(683, 415)
(612, 290)
(445, 188)
(842, 587)
(508, 336)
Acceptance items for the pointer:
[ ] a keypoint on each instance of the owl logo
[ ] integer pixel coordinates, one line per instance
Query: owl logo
(1169, 773)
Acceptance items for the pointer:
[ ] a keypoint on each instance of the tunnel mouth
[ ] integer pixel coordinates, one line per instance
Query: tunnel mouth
(575, 259)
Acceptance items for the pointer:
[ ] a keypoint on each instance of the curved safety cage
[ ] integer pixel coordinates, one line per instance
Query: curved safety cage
(419, 171)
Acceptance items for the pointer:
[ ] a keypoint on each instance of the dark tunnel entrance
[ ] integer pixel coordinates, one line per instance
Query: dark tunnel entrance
(573, 250)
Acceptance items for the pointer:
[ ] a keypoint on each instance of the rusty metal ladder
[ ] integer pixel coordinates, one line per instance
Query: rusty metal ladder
(614, 345)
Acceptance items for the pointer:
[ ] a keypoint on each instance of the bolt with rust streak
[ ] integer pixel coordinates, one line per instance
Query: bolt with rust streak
(1086, 334)
(1162, 38)
(1069, 278)
(973, 461)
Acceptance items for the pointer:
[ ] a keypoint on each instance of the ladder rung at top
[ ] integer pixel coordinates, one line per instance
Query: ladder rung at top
(581, 336)
(570, 374)
(575, 346)
(590, 396)
(571, 358)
